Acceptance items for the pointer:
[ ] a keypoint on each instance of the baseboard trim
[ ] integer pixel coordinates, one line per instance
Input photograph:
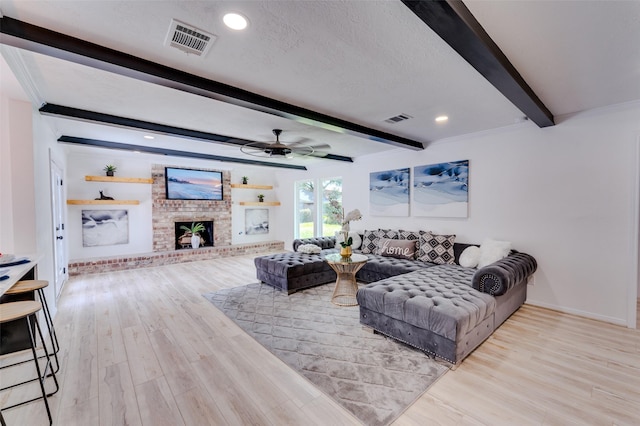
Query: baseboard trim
(577, 312)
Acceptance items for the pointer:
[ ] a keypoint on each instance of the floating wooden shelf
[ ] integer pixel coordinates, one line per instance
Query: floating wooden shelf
(117, 179)
(247, 186)
(258, 203)
(103, 202)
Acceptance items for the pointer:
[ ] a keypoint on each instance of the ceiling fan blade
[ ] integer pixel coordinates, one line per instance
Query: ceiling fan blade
(260, 145)
(301, 141)
(321, 146)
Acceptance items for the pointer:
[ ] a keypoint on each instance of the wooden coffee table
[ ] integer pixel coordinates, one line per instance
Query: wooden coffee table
(346, 287)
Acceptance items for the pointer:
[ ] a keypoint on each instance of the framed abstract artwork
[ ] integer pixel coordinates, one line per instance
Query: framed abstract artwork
(105, 227)
(441, 190)
(256, 221)
(389, 193)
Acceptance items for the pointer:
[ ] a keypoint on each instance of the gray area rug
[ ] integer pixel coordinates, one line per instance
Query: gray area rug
(374, 377)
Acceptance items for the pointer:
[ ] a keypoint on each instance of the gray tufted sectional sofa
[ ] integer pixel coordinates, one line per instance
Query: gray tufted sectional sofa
(444, 310)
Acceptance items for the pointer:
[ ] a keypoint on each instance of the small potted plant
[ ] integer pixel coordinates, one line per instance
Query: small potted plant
(110, 169)
(346, 250)
(261, 197)
(245, 180)
(194, 230)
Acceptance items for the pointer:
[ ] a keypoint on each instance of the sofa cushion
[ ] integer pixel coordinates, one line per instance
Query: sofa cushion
(436, 249)
(470, 257)
(439, 299)
(380, 267)
(402, 249)
(369, 241)
(411, 235)
(492, 251)
(309, 249)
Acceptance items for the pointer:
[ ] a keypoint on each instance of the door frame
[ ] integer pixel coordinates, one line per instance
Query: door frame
(58, 211)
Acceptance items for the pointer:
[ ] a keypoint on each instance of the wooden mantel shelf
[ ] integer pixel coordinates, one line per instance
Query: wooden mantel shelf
(258, 203)
(117, 179)
(247, 186)
(103, 202)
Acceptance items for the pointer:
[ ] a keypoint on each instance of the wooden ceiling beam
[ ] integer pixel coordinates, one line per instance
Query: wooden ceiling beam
(457, 26)
(171, 152)
(44, 41)
(131, 123)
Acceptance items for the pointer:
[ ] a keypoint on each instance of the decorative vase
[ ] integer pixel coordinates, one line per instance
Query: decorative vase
(195, 241)
(346, 251)
(110, 173)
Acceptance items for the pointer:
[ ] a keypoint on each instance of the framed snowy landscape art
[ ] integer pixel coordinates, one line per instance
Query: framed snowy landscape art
(441, 190)
(389, 193)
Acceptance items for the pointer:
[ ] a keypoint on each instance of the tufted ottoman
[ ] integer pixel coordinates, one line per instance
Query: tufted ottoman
(434, 309)
(292, 272)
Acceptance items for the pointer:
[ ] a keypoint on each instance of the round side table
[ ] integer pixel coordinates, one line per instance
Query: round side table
(346, 287)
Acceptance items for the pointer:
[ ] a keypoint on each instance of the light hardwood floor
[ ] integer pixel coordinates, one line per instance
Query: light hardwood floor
(143, 347)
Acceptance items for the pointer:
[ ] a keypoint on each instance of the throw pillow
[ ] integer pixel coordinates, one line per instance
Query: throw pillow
(492, 251)
(436, 249)
(355, 237)
(411, 235)
(402, 249)
(470, 257)
(369, 242)
(309, 249)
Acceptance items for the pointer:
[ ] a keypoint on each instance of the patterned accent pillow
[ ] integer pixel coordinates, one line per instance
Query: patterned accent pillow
(436, 249)
(369, 242)
(402, 249)
(411, 235)
(384, 233)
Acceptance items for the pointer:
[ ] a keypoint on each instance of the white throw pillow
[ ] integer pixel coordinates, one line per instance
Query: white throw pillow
(470, 257)
(309, 249)
(355, 237)
(492, 251)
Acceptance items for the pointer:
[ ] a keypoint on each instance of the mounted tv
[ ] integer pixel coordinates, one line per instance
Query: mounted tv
(189, 184)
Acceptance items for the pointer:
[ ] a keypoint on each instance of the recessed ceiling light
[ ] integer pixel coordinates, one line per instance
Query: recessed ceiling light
(441, 118)
(235, 21)
(149, 137)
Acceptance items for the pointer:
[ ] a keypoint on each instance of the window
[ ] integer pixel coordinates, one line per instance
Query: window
(313, 218)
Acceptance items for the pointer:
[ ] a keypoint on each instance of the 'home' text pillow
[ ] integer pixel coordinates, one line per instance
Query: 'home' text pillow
(402, 249)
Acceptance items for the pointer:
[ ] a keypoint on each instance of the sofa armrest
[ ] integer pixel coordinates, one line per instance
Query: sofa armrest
(501, 276)
(322, 242)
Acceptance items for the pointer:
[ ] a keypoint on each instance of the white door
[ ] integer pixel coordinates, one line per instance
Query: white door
(59, 232)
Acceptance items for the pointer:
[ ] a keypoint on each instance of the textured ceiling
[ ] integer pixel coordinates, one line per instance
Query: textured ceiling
(360, 61)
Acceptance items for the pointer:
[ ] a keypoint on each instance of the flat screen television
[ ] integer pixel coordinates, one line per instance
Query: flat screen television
(189, 184)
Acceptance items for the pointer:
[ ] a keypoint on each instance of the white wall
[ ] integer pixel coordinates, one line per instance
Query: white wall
(83, 162)
(17, 232)
(564, 194)
(25, 211)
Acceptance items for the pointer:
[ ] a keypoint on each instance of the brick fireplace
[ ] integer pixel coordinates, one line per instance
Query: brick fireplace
(166, 213)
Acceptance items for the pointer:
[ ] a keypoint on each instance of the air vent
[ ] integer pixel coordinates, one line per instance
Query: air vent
(398, 118)
(189, 39)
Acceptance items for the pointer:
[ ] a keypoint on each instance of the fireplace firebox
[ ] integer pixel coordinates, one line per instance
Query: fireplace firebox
(183, 238)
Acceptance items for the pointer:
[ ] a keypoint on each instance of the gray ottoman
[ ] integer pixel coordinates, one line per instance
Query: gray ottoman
(292, 272)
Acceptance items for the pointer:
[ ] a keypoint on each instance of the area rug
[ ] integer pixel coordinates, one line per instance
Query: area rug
(374, 377)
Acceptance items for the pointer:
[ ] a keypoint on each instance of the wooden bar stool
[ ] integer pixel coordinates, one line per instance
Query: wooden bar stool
(25, 288)
(26, 312)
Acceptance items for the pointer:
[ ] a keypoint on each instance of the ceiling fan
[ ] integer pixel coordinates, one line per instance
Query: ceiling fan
(278, 149)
